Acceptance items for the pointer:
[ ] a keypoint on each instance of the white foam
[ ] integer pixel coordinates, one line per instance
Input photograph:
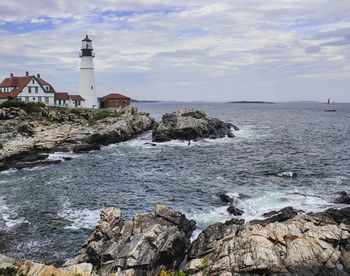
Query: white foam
(79, 218)
(9, 215)
(10, 171)
(61, 155)
(255, 207)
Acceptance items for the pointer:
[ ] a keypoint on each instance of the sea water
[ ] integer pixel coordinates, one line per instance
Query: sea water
(50, 211)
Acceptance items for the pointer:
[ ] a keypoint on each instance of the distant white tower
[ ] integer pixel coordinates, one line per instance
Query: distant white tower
(87, 87)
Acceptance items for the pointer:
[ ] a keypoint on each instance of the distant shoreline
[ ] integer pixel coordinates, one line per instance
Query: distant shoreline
(250, 102)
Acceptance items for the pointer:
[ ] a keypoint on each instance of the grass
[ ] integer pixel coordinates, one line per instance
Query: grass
(99, 116)
(28, 107)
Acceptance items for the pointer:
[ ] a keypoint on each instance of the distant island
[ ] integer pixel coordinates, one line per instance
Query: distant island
(250, 102)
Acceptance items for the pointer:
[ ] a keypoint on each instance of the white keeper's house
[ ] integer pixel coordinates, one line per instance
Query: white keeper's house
(30, 88)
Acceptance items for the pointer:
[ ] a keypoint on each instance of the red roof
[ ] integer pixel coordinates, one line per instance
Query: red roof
(62, 96)
(20, 83)
(76, 98)
(114, 96)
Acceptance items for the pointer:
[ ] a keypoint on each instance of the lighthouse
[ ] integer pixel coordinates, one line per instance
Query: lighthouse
(87, 87)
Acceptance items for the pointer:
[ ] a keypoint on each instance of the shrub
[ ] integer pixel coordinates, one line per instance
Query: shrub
(29, 107)
(99, 116)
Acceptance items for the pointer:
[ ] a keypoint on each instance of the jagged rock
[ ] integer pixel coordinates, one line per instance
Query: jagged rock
(234, 210)
(277, 216)
(82, 148)
(9, 266)
(25, 129)
(143, 245)
(27, 165)
(307, 244)
(343, 198)
(190, 124)
(28, 135)
(226, 198)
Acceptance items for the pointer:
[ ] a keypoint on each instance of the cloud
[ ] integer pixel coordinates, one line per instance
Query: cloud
(148, 47)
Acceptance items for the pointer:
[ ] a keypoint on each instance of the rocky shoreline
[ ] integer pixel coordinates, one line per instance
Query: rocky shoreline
(289, 242)
(27, 138)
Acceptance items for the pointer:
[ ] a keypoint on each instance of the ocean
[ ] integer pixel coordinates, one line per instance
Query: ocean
(50, 211)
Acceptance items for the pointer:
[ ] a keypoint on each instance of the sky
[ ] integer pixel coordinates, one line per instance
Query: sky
(185, 50)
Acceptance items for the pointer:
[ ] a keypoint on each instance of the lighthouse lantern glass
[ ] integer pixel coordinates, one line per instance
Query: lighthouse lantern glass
(87, 45)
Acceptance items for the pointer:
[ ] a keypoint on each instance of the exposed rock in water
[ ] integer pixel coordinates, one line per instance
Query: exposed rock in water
(82, 148)
(277, 216)
(9, 266)
(307, 244)
(142, 246)
(25, 137)
(342, 198)
(234, 210)
(226, 198)
(190, 124)
(27, 165)
(288, 174)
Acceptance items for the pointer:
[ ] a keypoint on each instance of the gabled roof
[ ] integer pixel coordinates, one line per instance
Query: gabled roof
(20, 83)
(62, 96)
(114, 96)
(76, 98)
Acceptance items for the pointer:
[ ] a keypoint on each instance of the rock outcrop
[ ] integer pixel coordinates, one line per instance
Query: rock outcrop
(9, 266)
(190, 124)
(342, 198)
(307, 244)
(27, 137)
(142, 246)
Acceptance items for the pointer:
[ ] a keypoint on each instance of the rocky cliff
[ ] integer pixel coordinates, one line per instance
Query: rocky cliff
(288, 243)
(25, 137)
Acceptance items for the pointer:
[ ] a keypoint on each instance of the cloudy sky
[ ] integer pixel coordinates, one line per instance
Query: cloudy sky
(278, 50)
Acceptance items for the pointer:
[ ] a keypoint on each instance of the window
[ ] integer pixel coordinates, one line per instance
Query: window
(33, 98)
(92, 87)
(48, 88)
(46, 99)
(27, 99)
(29, 89)
(59, 102)
(39, 99)
(36, 89)
(33, 81)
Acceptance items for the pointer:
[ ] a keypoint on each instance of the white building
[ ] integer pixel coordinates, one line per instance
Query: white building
(35, 89)
(27, 88)
(87, 88)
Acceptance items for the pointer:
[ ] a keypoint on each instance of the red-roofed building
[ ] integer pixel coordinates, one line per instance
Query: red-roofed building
(27, 88)
(35, 89)
(114, 100)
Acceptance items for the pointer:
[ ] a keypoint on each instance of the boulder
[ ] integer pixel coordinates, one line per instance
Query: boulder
(190, 124)
(234, 210)
(226, 198)
(306, 244)
(342, 198)
(143, 245)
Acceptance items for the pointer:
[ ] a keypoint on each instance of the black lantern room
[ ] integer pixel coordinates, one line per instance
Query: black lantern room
(86, 49)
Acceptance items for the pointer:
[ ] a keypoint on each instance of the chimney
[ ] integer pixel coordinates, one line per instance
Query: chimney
(27, 73)
(38, 76)
(11, 75)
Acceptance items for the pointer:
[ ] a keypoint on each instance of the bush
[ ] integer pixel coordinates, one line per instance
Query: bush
(99, 116)
(28, 107)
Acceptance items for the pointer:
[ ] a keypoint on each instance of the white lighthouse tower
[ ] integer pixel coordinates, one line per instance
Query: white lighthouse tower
(87, 87)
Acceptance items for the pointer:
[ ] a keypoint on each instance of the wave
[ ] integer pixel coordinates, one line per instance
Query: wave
(9, 215)
(79, 218)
